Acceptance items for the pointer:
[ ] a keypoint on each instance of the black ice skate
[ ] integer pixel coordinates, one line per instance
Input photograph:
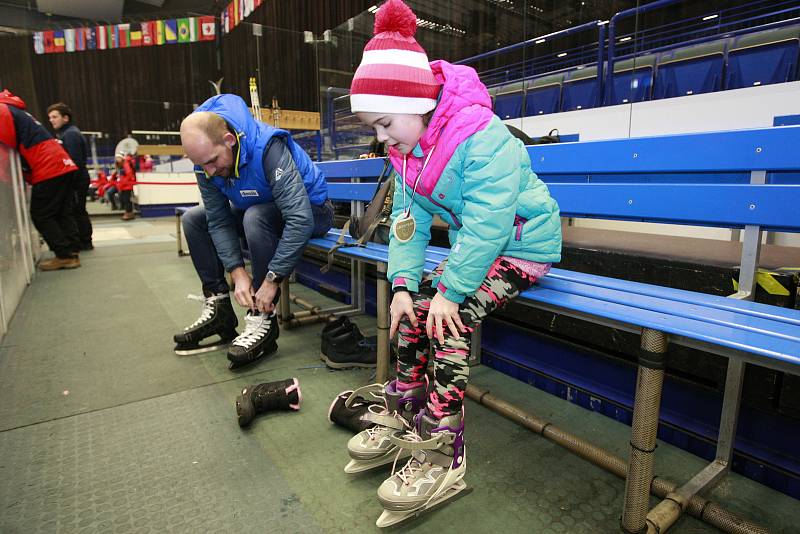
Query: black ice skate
(349, 409)
(280, 395)
(257, 341)
(217, 319)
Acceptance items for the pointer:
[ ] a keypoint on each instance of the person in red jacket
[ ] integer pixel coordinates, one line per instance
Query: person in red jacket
(51, 173)
(126, 178)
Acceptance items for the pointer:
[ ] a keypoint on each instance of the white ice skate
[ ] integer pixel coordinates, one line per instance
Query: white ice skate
(431, 477)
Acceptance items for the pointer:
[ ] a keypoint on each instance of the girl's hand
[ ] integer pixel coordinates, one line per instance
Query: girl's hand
(443, 312)
(401, 305)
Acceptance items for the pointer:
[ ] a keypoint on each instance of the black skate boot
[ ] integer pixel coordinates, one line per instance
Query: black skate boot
(266, 397)
(349, 408)
(257, 341)
(217, 318)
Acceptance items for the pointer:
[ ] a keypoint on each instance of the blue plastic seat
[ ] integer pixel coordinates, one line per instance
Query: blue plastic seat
(632, 80)
(690, 71)
(508, 100)
(543, 95)
(581, 90)
(763, 58)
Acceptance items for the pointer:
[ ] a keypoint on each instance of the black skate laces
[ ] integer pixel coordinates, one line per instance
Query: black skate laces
(208, 308)
(256, 326)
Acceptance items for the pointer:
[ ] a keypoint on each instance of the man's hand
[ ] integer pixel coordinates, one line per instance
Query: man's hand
(443, 313)
(266, 295)
(401, 305)
(243, 288)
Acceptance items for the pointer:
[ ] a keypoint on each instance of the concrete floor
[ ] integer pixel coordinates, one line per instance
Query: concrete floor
(104, 429)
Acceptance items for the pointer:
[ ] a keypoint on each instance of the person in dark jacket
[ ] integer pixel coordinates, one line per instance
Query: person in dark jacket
(51, 173)
(258, 184)
(73, 141)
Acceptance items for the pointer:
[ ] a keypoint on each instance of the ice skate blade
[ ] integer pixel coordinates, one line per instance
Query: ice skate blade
(359, 466)
(390, 519)
(202, 350)
(345, 365)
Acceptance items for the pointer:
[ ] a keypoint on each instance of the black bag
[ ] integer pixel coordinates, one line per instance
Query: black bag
(552, 137)
(375, 223)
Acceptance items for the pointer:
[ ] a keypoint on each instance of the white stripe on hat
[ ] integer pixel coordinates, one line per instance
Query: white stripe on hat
(396, 57)
(390, 104)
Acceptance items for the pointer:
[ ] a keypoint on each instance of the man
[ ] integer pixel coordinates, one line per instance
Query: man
(124, 178)
(256, 183)
(51, 172)
(75, 144)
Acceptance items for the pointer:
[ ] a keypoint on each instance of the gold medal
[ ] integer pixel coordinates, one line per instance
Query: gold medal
(404, 227)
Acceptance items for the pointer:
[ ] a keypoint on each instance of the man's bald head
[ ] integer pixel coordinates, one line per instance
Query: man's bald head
(208, 142)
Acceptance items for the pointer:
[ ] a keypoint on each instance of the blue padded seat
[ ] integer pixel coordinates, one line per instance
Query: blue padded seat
(543, 95)
(632, 80)
(763, 58)
(509, 99)
(690, 71)
(580, 90)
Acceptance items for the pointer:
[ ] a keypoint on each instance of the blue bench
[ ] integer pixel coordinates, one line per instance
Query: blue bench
(734, 179)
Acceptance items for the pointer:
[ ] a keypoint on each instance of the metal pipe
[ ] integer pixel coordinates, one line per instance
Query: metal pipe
(644, 429)
(698, 507)
(305, 304)
(284, 307)
(382, 369)
(309, 319)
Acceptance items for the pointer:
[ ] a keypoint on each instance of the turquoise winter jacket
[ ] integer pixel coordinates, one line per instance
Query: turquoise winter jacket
(487, 192)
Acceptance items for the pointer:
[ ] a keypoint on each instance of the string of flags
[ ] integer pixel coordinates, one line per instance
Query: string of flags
(236, 12)
(129, 35)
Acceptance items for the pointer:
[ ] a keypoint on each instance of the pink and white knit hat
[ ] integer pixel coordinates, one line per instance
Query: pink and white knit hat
(394, 75)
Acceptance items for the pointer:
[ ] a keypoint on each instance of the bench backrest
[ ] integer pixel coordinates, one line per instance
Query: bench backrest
(727, 179)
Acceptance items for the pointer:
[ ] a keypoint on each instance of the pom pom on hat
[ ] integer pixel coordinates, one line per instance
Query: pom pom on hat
(395, 16)
(394, 75)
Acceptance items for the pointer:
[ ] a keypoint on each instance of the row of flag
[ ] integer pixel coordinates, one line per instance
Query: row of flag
(236, 12)
(154, 32)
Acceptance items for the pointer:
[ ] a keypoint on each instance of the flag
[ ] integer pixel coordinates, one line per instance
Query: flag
(123, 35)
(184, 31)
(247, 9)
(38, 42)
(69, 39)
(136, 34)
(113, 36)
(194, 29)
(240, 4)
(208, 28)
(148, 33)
(102, 38)
(49, 39)
(225, 22)
(80, 39)
(160, 32)
(58, 41)
(91, 40)
(257, 4)
(171, 31)
(236, 13)
(232, 22)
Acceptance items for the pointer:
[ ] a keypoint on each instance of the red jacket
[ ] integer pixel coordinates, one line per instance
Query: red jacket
(42, 155)
(127, 177)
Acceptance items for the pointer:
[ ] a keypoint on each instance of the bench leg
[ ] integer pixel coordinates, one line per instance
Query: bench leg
(644, 428)
(284, 304)
(475, 346)
(179, 234)
(383, 290)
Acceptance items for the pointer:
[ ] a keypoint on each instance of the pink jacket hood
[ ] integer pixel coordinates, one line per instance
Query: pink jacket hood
(464, 108)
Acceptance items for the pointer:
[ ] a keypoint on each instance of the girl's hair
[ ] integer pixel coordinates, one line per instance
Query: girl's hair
(426, 119)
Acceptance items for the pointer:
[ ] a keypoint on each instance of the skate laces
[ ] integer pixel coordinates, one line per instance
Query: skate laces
(208, 308)
(408, 472)
(255, 328)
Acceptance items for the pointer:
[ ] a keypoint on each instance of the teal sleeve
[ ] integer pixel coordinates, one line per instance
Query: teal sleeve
(491, 179)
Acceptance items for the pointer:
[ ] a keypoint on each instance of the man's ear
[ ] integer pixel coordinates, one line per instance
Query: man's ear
(229, 139)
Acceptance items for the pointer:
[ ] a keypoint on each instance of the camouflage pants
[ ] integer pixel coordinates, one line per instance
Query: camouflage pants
(503, 282)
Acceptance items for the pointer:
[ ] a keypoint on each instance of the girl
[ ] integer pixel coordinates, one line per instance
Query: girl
(453, 158)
